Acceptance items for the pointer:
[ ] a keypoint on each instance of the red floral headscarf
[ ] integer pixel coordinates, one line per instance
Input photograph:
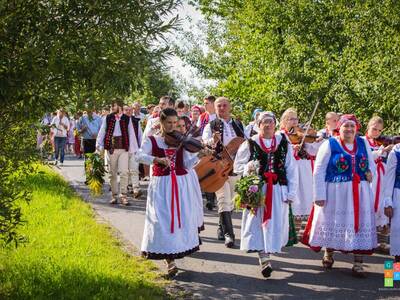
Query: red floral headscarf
(348, 117)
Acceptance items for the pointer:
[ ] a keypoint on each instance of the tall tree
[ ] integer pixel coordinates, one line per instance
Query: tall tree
(57, 52)
(277, 54)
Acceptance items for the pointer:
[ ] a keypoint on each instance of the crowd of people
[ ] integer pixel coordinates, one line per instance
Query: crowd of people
(346, 184)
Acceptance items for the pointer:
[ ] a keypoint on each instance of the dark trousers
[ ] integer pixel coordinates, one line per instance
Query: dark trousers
(59, 147)
(89, 145)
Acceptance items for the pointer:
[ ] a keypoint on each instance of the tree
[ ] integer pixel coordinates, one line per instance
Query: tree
(277, 54)
(58, 53)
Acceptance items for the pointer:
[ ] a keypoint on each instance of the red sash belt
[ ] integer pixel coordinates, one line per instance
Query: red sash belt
(270, 177)
(380, 171)
(356, 201)
(175, 198)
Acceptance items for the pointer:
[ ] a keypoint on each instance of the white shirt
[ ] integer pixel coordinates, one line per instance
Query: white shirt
(229, 133)
(60, 130)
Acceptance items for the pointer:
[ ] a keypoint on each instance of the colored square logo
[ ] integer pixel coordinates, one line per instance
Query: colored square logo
(388, 282)
(396, 267)
(388, 264)
(396, 276)
(388, 273)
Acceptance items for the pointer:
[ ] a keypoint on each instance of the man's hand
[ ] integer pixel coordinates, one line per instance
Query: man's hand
(217, 137)
(320, 203)
(388, 212)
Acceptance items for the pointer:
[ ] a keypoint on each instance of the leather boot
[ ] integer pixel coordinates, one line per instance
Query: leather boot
(220, 232)
(227, 227)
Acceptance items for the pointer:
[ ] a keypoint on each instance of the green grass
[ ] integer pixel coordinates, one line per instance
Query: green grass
(68, 255)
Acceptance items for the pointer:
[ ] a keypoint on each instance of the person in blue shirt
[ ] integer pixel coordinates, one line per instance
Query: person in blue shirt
(88, 127)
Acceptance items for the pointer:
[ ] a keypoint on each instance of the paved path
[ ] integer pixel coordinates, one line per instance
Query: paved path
(216, 272)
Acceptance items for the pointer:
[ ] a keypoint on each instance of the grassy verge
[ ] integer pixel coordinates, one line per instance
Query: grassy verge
(68, 255)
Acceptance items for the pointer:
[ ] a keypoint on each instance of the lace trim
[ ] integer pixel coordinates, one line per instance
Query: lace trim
(152, 255)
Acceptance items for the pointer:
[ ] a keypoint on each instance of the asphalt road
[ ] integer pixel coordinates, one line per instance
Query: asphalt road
(216, 272)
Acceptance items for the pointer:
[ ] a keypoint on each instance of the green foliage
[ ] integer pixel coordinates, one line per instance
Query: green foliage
(62, 53)
(70, 255)
(249, 192)
(95, 171)
(280, 54)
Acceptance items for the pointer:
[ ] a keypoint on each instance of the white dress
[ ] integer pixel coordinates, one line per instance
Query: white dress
(380, 218)
(274, 235)
(333, 224)
(159, 242)
(392, 198)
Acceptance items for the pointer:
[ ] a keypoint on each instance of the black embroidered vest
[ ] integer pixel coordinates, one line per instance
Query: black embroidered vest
(217, 125)
(277, 158)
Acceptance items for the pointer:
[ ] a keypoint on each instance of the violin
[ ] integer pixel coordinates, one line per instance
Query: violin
(175, 139)
(296, 135)
(386, 140)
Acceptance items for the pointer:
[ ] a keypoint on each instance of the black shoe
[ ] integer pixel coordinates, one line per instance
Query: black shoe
(229, 241)
(266, 270)
(209, 206)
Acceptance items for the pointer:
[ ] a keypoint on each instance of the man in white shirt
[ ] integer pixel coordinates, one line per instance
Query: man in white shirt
(217, 134)
(136, 111)
(133, 173)
(116, 135)
(60, 126)
(153, 124)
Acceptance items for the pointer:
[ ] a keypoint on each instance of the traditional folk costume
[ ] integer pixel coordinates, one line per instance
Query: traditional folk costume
(304, 161)
(117, 136)
(267, 230)
(380, 158)
(392, 198)
(203, 120)
(346, 222)
(171, 227)
(133, 173)
(228, 130)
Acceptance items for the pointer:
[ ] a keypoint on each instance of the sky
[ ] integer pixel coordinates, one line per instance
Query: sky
(188, 16)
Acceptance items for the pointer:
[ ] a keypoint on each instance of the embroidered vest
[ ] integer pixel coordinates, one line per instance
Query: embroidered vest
(204, 118)
(217, 125)
(110, 125)
(136, 124)
(159, 170)
(276, 158)
(340, 165)
(397, 180)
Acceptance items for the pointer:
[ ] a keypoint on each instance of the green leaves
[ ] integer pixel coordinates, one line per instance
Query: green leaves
(280, 54)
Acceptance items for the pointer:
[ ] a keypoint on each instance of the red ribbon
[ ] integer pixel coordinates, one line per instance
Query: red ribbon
(380, 170)
(355, 184)
(174, 193)
(312, 159)
(356, 201)
(269, 178)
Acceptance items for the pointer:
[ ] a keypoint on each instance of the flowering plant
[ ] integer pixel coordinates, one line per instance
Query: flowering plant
(249, 192)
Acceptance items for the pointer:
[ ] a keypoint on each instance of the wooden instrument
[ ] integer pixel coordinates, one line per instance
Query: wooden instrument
(214, 171)
(298, 134)
(176, 139)
(386, 140)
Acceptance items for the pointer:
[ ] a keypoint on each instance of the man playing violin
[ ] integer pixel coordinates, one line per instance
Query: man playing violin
(217, 134)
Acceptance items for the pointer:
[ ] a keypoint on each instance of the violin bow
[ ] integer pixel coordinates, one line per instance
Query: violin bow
(310, 121)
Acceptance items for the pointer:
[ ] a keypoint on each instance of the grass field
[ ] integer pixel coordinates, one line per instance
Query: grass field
(68, 255)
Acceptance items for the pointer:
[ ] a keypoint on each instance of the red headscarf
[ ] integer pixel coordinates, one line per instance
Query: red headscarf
(348, 117)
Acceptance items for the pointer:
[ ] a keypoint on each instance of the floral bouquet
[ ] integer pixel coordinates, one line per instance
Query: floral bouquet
(249, 192)
(94, 169)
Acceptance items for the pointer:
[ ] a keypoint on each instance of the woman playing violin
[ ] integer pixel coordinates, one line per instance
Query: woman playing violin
(380, 153)
(304, 156)
(170, 230)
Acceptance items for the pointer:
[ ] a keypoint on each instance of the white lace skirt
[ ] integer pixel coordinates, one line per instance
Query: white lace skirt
(333, 224)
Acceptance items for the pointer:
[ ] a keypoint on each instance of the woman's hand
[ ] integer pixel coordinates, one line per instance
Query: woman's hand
(296, 147)
(387, 149)
(319, 203)
(368, 176)
(162, 161)
(388, 212)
